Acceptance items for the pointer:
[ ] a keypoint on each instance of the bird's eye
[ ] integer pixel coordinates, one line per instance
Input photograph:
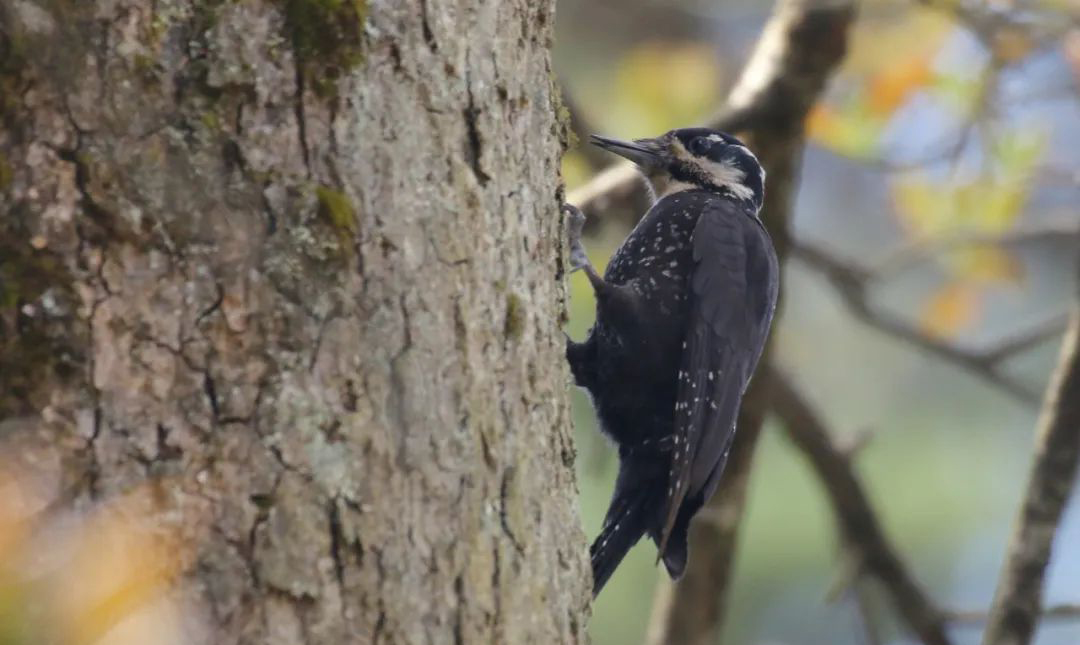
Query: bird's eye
(700, 146)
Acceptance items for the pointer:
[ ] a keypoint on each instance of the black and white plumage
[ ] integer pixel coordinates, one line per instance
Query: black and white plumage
(683, 313)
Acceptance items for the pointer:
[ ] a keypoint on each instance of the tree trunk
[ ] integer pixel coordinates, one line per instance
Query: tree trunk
(299, 264)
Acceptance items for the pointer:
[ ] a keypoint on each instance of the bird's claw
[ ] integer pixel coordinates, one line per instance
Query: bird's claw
(575, 223)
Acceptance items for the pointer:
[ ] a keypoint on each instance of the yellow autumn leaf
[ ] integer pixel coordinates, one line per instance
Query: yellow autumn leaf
(986, 265)
(850, 131)
(984, 206)
(121, 562)
(891, 87)
(925, 209)
(917, 31)
(989, 203)
(950, 310)
(997, 208)
(821, 122)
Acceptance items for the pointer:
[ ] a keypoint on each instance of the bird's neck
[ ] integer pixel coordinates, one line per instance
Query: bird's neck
(660, 185)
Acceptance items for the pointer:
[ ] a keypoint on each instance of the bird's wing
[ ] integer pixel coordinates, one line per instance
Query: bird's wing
(732, 298)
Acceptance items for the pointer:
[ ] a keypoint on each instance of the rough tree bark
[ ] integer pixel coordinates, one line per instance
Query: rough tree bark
(299, 262)
(1018, 601)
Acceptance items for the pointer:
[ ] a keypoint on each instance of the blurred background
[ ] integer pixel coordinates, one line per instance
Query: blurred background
(933, 130)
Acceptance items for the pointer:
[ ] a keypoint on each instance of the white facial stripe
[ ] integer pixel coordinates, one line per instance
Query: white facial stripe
(727, 176)
(721, 174)
(677, 187)
(680, 151)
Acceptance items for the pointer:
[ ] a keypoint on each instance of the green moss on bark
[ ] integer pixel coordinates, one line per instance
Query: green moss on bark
(336, 207)
(562, 126)
(515, 317)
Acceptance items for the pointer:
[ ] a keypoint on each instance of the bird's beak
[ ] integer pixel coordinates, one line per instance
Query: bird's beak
(647, 153)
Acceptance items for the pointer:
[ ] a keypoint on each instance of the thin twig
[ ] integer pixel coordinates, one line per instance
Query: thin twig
(867, 625)
(862, 534)
(1022, 341)
(988, 23)
(851, 282)
(918, 251)
(978, 617)
(1053, 472)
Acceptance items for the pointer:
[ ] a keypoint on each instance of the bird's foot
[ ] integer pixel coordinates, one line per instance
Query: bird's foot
(575, 222)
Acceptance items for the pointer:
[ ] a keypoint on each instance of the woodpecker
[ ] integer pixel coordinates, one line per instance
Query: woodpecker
(682, 315)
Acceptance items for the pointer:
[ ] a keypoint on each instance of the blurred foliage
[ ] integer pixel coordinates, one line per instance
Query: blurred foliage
(575, 170)
(1011, 44)
(855, 127)
(97, 579)
(890, 67)
(1070, 47)
(655, 86)
(988, 204)
(953, 307)
(663, 83)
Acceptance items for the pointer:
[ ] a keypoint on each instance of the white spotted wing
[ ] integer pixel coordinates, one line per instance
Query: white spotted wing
(733, 288)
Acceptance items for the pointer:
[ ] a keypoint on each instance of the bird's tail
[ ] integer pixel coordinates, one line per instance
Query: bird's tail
(676, 551)
(626, 521)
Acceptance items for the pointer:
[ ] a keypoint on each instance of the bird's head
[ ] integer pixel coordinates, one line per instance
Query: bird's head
(694, 159)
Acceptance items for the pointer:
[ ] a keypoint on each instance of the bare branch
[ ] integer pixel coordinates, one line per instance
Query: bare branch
(851, 282)
(952, 147)
(862, 534)
(978, 617)
(1022, 341)
(1016, 607)
(918, 251)
(867, 622)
